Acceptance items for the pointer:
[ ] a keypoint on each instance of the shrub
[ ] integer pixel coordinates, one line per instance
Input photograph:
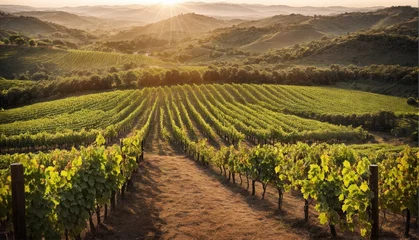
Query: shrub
(412, 101)
(40, 76)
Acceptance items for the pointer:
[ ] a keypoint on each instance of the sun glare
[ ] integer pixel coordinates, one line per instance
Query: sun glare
(170, 2)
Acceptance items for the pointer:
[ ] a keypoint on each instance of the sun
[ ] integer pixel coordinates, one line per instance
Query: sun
(170, 2)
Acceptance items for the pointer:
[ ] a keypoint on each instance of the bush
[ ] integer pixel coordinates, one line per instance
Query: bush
(40, 76)
(128, 66)
(32, 43)
(20, 41)
(412, 101)
(42, 44)
(58, 42)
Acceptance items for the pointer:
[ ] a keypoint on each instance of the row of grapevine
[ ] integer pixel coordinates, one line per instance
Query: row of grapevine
(263, 125)
(85, 60)
(63, 189)
(84, 118)
(335, 177)
(121, 123)
(238, 112)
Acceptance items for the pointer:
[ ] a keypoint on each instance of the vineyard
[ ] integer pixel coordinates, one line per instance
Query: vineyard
(85, 149)
(82, 60)
(21, 60)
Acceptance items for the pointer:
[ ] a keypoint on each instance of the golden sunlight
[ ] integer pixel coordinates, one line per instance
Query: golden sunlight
(170, 2)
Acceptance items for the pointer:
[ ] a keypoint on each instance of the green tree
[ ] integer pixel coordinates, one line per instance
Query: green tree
(13, 38)
(129, 78)
(32, 43)
(20, 41)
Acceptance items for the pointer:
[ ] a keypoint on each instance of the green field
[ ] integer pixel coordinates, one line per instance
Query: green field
(15, 60)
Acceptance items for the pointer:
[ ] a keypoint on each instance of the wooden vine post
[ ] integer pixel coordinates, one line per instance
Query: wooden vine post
(142, 150)
(18, 201)
(373, 184)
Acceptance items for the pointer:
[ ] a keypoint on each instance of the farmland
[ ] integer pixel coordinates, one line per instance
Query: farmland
(186, 120)
(230, 110)
(218, 125)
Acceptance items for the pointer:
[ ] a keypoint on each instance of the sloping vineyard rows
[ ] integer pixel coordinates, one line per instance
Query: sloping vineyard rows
(101, 101)
(84, 118)
(255, 112)
(83, 60)
(63, 189)
(120, 123)
(228, 112)
(335, 177)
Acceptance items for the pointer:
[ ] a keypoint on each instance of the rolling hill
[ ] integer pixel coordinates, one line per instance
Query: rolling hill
(75, 21)
(361, 48)
(35, 27)
(157, 12)
(351, 22)
(365, 49)
(177, 27)
(287, 30)
(284, 38)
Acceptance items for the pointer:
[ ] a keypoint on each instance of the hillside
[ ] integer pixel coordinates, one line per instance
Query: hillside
(288, 30)
(177, 27)
(284, 38)
(361, 48)
(277, 20)
(35, 27)
(351, 22)
(75, 21)
(7, 33)
(20, 60)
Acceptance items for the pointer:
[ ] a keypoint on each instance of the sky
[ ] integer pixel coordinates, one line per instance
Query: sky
(321, 3)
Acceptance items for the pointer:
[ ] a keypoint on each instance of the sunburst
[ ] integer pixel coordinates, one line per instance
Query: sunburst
(170, 2)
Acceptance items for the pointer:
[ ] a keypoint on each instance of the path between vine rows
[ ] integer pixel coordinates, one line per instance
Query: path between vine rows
(174, 197)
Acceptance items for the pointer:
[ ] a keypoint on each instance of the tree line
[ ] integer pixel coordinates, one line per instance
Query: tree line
(143, 77)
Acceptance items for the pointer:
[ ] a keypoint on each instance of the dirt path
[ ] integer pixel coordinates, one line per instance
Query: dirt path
(173, 198)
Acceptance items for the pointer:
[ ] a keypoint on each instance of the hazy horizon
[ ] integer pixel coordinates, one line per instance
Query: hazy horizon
(296, 3)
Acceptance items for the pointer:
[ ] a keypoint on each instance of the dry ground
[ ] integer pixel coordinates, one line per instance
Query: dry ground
(173, 197)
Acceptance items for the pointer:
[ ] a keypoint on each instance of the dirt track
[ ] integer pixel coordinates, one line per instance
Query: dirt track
(173, 198)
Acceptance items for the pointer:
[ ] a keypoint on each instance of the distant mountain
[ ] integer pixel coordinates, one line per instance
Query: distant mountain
(158, 12)
(35, 27)
(178, 27)
(15, 8)
(75, 21)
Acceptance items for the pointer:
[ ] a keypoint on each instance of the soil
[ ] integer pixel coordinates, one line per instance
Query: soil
(174, 197)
